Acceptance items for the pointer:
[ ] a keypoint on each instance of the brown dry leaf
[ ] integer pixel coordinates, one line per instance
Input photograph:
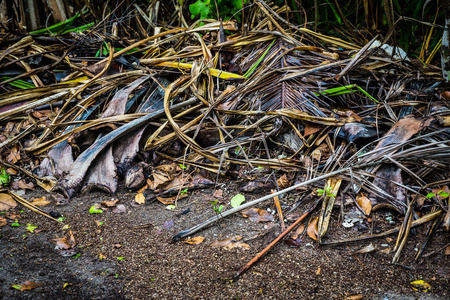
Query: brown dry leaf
(366, 249)
(28, 285)
(318, 271)
(283, 182)
(364, 204)
(140, 198)
(3, 222)
(14, 155)
(312, 229)
(111, 203)
(195, 241)
(159, 180)
(257, 215)
(299, 231)
(218, 194)
(170, 169)
(237, 245)
(12, 216)
(11, 171)
(101, 256)
(6, 202)
(99, 223)
(40, 201)
(223, 243)
(311, 128)
(66, 242)
(170, 200)
(447, 250)
(322, 152)
(25, 186)
(176, 183)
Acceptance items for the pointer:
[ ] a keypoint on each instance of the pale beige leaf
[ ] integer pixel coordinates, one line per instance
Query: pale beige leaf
(40, 201)
(196, 240)
(140, 198)
(6, 202)
(312, 229)
(364, 204)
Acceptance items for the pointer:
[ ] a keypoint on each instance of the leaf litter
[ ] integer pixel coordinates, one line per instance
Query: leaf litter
(305, 112)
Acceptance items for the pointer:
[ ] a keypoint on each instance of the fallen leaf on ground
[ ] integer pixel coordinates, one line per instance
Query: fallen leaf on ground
(6, 202)
(299, 231)
(170, 200)
(257, 215)
(194, 241)
(218, 194)
(421, 285)
(13, 156)
(318, 271)
(159, 180)
(98, 222)
(111, 203)
(364, 204)
(223, 243)
(312, 229)
(3, 222)
(366, 249)
(95, 209)
(120, 209)
(25, 186)
(11, 171)
(140, 198)
(447, 250)
(40, 201)
(283, 182)
(66, 242)
(101, 256)
(237, 200)
(27, 285)
(237, 245)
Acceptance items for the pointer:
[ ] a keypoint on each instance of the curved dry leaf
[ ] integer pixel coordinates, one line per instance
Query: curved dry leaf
(3, 222)
(312, 229)
(299, 231)
(283, 182)
(237, 245)
(257, 215)
(27, 285)
(6, 202)
(66, 242)
(366, 249)
(25, 186)
(170, 169)
(40, 201)
(223, 243)
(195, 241)
(111, 203)
(140, 198)
(364, 204)
(11, 171)
(170, 200)
(159, 180)
(447, 250)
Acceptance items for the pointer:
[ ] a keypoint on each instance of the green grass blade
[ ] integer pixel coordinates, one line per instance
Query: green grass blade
(255, 65)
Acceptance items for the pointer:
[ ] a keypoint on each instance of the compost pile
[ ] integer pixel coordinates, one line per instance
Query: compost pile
(330, 122)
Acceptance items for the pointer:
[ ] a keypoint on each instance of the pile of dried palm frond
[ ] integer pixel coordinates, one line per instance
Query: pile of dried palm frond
(275, 102)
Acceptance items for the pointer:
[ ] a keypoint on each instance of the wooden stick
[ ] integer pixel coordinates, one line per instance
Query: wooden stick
(274, 242)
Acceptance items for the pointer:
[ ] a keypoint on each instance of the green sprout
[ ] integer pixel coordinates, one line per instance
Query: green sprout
(217, 208)
(5, 178)
(327, 191)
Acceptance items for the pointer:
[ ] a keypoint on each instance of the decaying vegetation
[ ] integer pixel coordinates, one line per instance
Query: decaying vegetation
(162, 105)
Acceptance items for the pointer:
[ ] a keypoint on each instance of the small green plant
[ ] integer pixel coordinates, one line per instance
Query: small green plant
(5, 178)
(227, 9)
(76, 255)
(120, 258)
(217, 208)
(95, 210)
(61, 219)
(327, 192)
(184, 192)
(182, 166)
(440, 193)
(31, 228)
(237, 200)
(15, 224)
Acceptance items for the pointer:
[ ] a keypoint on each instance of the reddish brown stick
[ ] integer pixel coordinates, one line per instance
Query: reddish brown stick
(274, 242)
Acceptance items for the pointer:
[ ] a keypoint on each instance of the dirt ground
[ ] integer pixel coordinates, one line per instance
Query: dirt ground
(140, 263)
